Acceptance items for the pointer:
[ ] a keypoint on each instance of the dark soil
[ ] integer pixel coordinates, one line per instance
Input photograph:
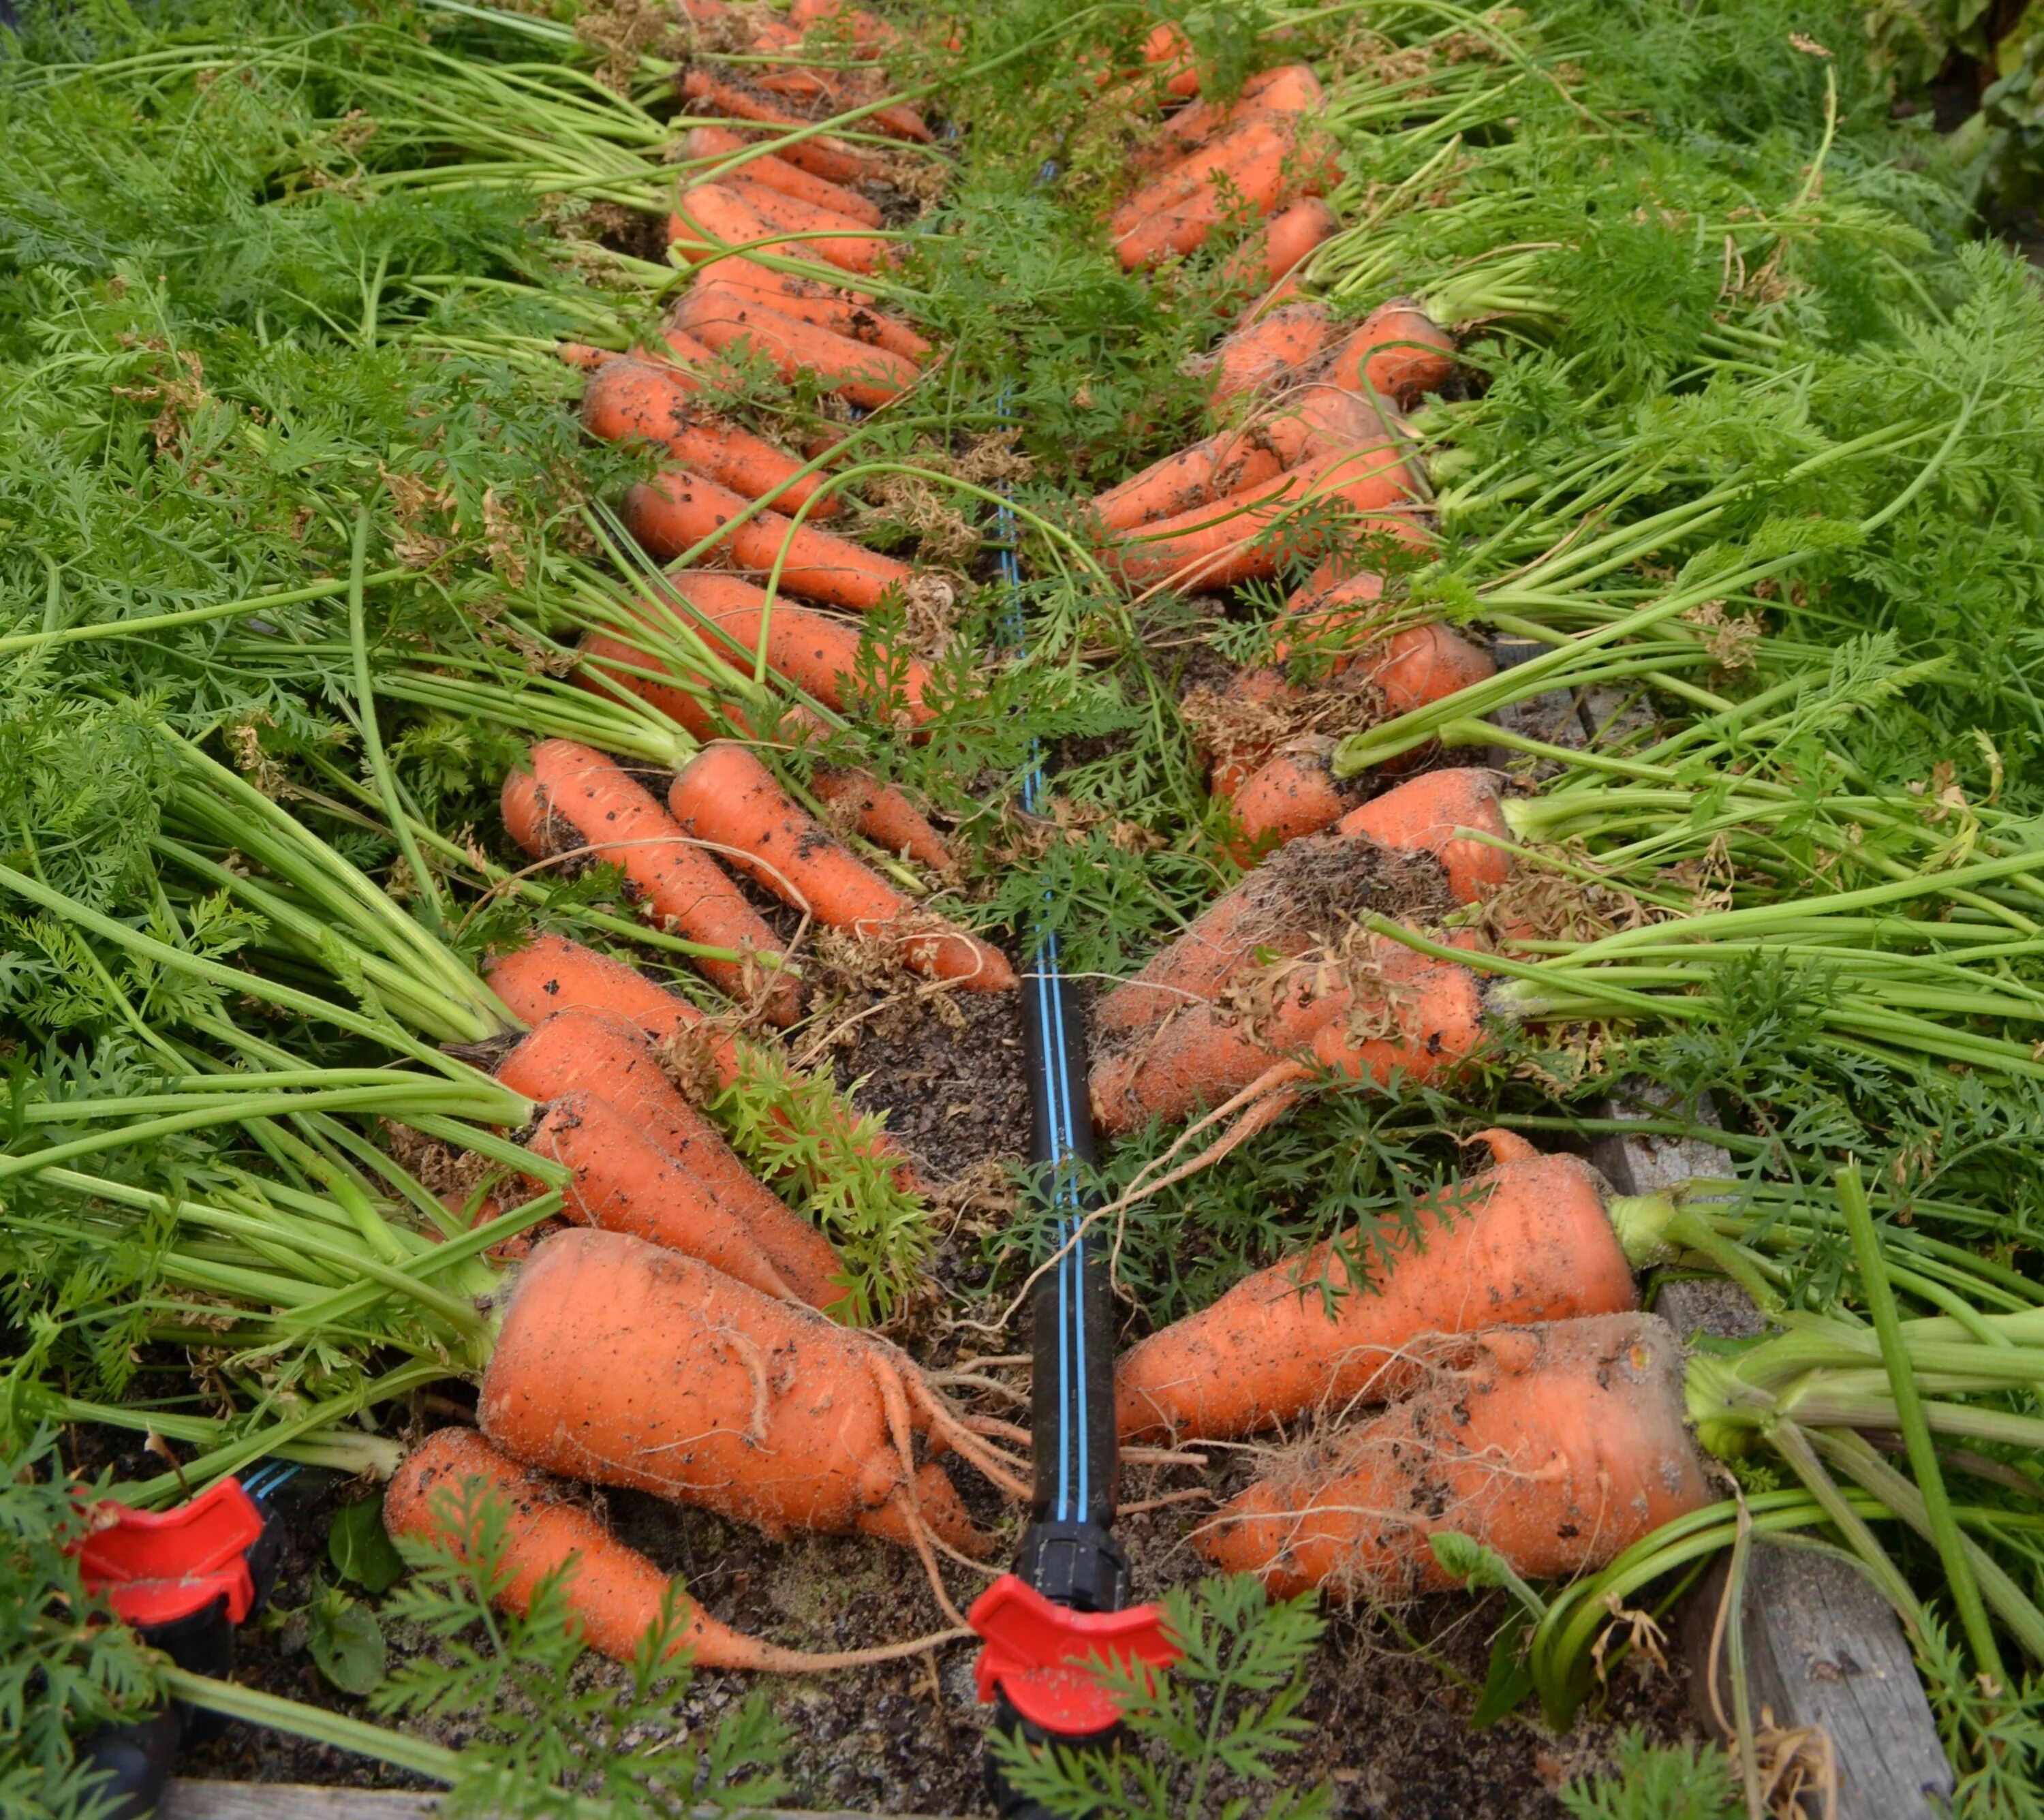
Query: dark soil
(949, 1078)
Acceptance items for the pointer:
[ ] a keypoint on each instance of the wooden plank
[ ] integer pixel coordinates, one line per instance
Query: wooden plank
(1824, 1648)
(185, 1799)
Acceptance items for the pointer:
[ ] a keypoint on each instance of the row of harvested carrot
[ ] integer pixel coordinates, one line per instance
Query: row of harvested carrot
(697, 1371)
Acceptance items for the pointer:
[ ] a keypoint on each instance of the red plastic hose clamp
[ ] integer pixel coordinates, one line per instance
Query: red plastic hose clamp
(1039, 1654)
(157, 1567)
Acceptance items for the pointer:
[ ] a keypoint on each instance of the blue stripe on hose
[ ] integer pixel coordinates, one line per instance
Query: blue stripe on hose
(1073, 1439)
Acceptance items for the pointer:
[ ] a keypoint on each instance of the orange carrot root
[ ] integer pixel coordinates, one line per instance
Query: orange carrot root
(1559, 1446)
(1423, 815)
(1528, 1240)
(618, 821)
(1399, 352)
(884, 815)
(724, 316)
(628, 1365)
(726, 796)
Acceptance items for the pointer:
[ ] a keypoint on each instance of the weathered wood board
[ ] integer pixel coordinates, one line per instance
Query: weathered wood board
(1824, 1648)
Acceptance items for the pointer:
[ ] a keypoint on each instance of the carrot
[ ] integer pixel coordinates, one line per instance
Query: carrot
(818, 154)
(678, 510)
(625, 1182)
(1419, 664)
(1430, 1016)
(818, 651)
(1294, 793)
(1399, 352)
(1269, 352)
(1291, 88)
(1559, 1446)
(847, 248)
(870, 36)
(1422, 815)
(1528, 1240)
(605, 1058)
(1242, 752)
(884, 815)
(1269, 255)
(580, 355)
(621, 824)
(723, 318)
(1168, 44)
(1262, 163)
(1299, 896)
(774, 173)
(1316, 420)
(1225, 543)
(627, 1365)
(551, 974)
(630, 399)
(726, 796)
(851, 314)
(614, 1594)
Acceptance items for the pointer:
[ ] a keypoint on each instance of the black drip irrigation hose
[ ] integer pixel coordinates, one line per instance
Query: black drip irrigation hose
(1068, 1553)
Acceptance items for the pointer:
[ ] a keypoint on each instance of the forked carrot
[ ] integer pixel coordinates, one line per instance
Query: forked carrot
(614, 1594)
(1559, 1446)
(593, 1053)
(1305, 894)
(722, 317)
(620, 823)
(1422, 815)
(627, 1365)
(775, 173)
(648, 400)
(1528, 1240)
(726, 796)
(675, 512)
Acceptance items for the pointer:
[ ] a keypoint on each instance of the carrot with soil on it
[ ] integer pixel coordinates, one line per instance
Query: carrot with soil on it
(1385, 1011)
(1228, 542)
(642, 400)
(1296, 898)
(1293, 793)
(1531, 1238)
(1290, 88)
(592, 1053)
(1262, 163)
(614, 1595)
(1313, 423)
(1399, 352)
(722, 317)
(552, 974)
(884, 816)
(620, 823)
(626, 1365)
(1274, 252)
(1268, 353)
(625, 1182)
(1424, 814)
(678, 513)
(1559, 1445)
(844, 245)
(818, 153)
(853, 314)
(728, 797)
(772, 172)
